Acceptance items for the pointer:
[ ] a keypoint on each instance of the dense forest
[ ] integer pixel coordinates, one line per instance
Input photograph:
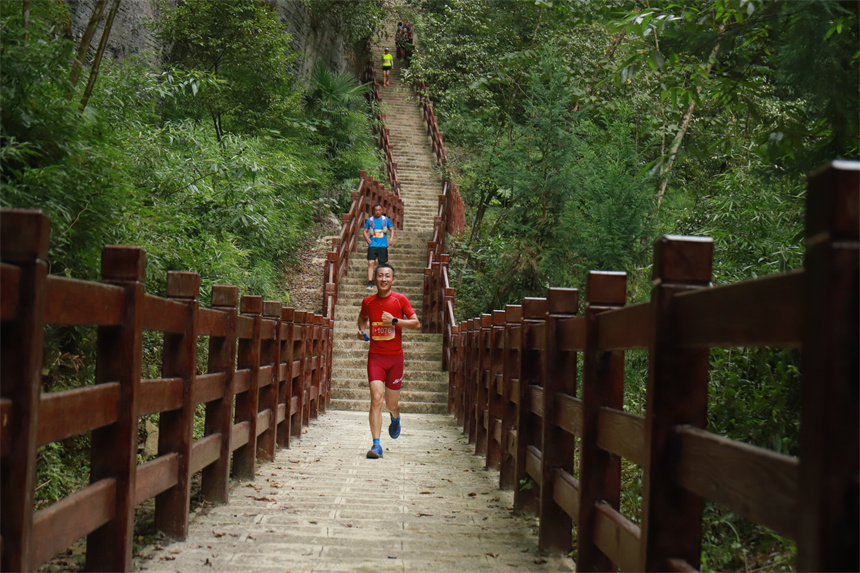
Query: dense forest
(581, 131)
(214, 155)
(578, 132)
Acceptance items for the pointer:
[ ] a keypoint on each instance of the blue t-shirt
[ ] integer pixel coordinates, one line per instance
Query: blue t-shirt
(377, 227)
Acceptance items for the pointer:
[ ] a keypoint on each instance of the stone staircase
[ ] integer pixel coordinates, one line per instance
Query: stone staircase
(425, 385)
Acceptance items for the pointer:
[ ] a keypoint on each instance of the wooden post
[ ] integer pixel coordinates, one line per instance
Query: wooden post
(829, 448)
(219, 413)
(268, 393)
(175, 428)
(528, 423)
(114, 447)
(460, 383)
(496, 391)
(426, 305)
(316, 363)
(446, 328)
(297, 373)
(677, 394)
(329, 353)
(24, 241)
(483, 385)
(285, 392)
(474, 379)
(602, 385)
(511, 380)
(307, 331)
(453, 367)
(247, 402)
(558, 448)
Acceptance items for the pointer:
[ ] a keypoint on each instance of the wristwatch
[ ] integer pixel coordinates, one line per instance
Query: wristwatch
(393, 321)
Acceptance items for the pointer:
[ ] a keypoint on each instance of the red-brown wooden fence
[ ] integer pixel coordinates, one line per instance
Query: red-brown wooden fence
(438, 302)
(514, 387)
(270, 363)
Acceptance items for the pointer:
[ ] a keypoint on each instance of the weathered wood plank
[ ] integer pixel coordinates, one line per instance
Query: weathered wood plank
(565, 492)
(205, 451)
(211, 322)
(209, 387)
(163, 315)
(61, 524)
(240, 434)
(753, 482)
(159, 395)
(72, 412)
(569, 414)
(766, 311)
(617, 537)
(78, 302)
(155, 476)
(627, 328)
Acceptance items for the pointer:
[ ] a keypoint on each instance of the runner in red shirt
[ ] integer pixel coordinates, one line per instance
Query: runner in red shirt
(387, 313)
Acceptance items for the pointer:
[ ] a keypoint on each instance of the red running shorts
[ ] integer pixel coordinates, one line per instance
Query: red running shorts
(386, 367)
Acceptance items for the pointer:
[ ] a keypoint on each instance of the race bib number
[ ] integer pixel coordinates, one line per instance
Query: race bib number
(378, 233)
(380, 331)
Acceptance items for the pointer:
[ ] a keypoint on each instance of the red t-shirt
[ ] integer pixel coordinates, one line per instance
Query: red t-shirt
(386, 338)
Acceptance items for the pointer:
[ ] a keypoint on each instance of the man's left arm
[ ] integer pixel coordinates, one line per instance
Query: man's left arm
(411, 323)
(390, 231)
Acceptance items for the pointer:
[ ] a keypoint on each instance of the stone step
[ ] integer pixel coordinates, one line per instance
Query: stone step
(359, 360)
(405, 407)
(420, 381)
(406, 395)
(342, 342)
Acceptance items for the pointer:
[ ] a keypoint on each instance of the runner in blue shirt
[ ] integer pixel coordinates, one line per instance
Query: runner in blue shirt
(375, 229)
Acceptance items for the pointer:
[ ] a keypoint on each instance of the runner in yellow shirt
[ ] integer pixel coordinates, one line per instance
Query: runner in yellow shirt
(387, 64)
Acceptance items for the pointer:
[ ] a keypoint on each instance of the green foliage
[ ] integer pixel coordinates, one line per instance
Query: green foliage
(244, 45)
(357, 21)
(697, 118)
(212, 165)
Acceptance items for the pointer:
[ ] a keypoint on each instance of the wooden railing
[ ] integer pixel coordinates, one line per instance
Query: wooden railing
(268, 374)
(369, 193)
(514, 388)
(438, 302)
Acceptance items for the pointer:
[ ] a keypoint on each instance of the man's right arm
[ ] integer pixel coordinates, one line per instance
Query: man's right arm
(364, 232)
(362, 325)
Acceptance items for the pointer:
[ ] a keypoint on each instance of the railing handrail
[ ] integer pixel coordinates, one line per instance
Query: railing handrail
(528, 418)
(268, 375)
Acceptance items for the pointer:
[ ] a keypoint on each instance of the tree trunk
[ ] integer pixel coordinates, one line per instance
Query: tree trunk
(663, 182)
(87, 38)
(94, 70)
(25, 18)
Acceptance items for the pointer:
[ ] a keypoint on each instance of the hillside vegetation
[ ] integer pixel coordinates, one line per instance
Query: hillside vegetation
(582, 131)
(220, 161)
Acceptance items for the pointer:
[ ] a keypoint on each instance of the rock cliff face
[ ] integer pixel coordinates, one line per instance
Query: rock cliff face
(130, 35)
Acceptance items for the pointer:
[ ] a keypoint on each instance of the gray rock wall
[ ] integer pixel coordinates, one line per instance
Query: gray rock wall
(130, 35)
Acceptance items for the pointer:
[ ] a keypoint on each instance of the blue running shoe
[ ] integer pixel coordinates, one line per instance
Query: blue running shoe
(374, 452)
(394, 428)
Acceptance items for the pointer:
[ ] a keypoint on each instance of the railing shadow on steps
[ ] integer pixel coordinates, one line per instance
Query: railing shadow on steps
(268, 375)
(514, 389)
